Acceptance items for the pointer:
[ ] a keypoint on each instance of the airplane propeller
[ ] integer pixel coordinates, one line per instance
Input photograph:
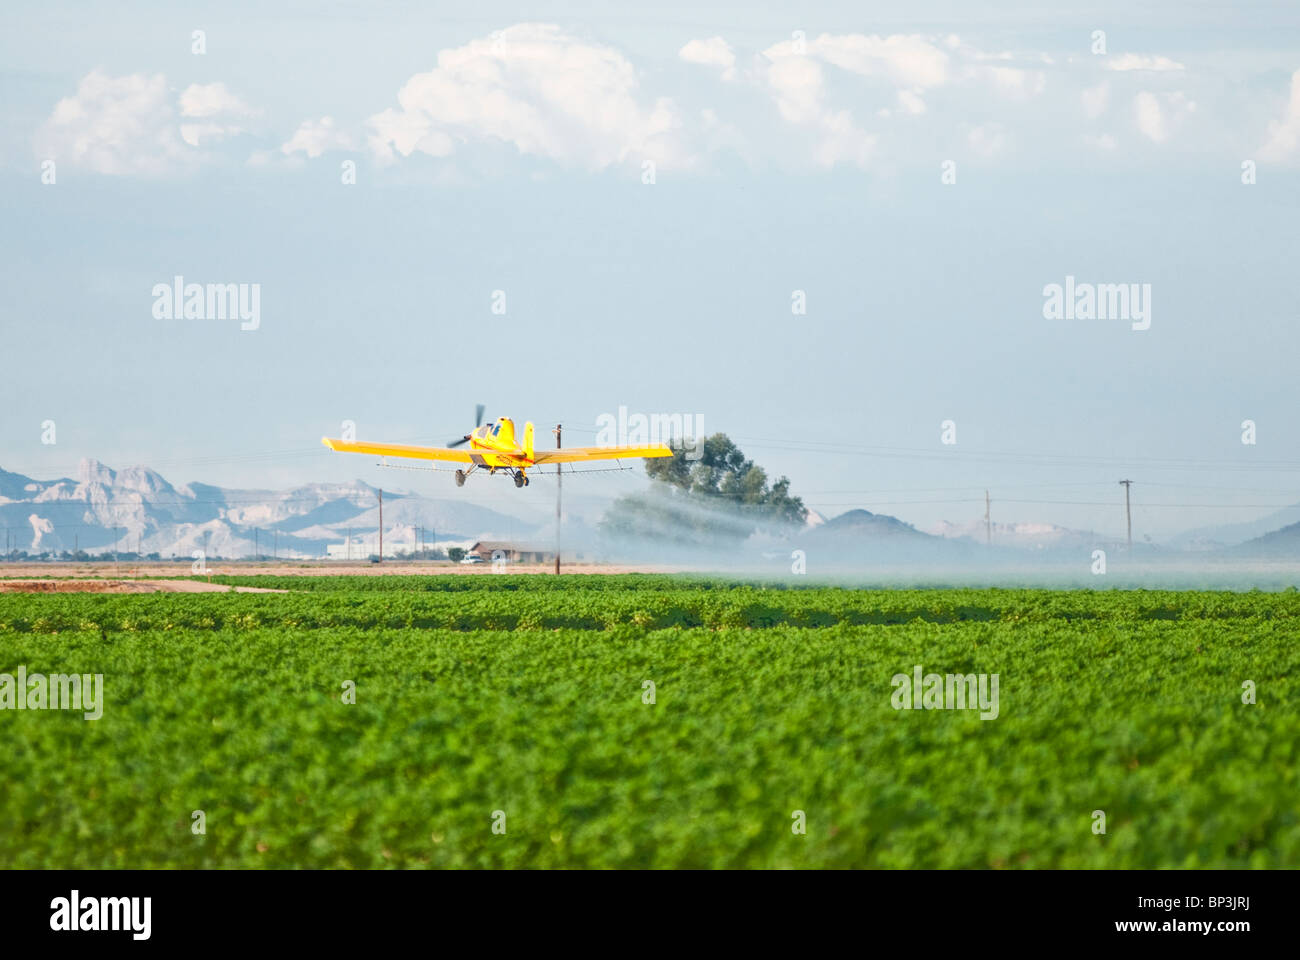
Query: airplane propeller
(478, 422)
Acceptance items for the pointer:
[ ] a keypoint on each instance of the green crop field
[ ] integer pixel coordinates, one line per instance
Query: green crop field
(520, 703)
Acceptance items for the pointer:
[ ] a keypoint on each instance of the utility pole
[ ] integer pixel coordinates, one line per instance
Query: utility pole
(381, 525)
(256, 547)
(559, 481)
(1128, 513)
(988, 527)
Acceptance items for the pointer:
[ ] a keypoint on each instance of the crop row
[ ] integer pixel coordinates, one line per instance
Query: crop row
(746, 729)
(743, 606)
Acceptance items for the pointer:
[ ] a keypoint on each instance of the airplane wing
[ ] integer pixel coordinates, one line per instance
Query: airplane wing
(578, 454)
(400, 450)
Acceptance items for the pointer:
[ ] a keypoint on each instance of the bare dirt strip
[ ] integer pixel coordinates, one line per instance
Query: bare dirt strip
(135, 572)
(123, 586)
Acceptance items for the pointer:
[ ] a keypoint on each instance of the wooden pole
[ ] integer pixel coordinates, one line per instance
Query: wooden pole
(559, 486)
(1128, 513)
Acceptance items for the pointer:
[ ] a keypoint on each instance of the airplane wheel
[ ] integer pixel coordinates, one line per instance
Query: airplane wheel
(527, 481)
(460, 478)
(520, 479)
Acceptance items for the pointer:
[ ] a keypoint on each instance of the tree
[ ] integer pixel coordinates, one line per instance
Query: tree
(718, 495)
(455, 554)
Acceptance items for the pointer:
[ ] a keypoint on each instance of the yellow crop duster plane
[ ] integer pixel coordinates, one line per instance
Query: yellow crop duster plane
(493, 446)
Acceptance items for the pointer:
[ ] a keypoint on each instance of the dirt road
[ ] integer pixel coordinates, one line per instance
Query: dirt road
(123, 586)
(147, 570)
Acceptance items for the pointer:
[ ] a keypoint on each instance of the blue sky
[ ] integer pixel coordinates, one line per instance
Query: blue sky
(508, 149)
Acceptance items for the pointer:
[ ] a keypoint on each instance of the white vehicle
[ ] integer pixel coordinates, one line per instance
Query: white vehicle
(472, 558)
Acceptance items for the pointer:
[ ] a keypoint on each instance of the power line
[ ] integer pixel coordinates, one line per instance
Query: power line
(803, 443)
(1076, 503)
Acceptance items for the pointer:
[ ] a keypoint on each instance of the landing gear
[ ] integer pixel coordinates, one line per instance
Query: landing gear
(521, 479)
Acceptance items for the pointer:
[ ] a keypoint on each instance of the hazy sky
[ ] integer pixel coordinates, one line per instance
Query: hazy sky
(509, 149)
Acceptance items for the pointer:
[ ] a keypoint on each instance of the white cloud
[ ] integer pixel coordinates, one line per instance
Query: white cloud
(215, 109)
(547, 93)
(210, 100)
(116, 125)
(907, 60)
(1134, 61)
(797, 84)
(1284, 134)
(1018, 84)
(544, 92)
(130, 125)
(987, 140)
(1158, 115)
(910, 102)
(714, 52)
(912, 64)
(314, 137)
(1150, 119)
(1095, 100)
(195, 133)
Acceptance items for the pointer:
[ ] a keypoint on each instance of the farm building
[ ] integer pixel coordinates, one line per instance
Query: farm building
(512, 552)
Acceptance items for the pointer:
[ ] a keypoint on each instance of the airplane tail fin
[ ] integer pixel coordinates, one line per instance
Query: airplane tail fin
(528, 440)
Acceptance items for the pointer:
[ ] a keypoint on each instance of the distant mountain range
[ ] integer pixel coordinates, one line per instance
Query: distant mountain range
(1236, 534)
(862, 535)
(1028, 536)
(1281, 544)
(864, 523)
(137, 510)
(859, 534)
